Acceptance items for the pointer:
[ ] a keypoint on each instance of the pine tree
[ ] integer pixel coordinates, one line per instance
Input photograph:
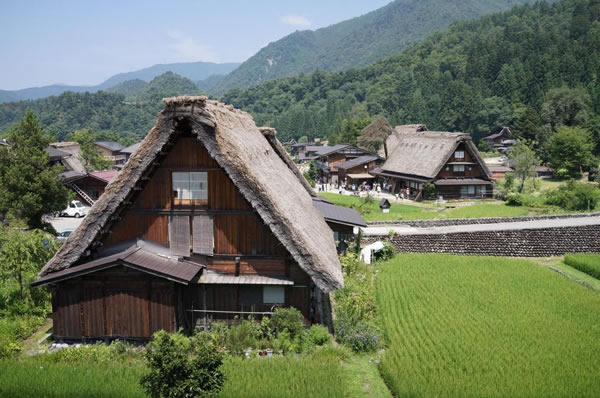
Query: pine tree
(29, 187)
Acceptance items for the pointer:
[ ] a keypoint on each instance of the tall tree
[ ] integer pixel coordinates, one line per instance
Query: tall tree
(570, 150)
(29, 187)
(523, 160)
(566, 107)
(91, 158)
(23, 254)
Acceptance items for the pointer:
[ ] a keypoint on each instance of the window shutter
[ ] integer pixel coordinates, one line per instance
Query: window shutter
(203, 234)
(179, 235)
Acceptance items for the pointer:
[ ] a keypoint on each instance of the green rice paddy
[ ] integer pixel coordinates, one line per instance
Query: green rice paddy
(493, 327)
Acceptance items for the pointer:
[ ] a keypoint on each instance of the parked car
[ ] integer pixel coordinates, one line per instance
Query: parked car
(76, 209)
(63, 235)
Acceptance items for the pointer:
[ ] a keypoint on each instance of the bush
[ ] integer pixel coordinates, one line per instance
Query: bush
(289, 319)
(243, 336)
(514, 199)
(177, 372)
(588, 263)
(319, 335)
(358, 336)
(509, 181)
(388, 252)
(574, 196)
(429, 191)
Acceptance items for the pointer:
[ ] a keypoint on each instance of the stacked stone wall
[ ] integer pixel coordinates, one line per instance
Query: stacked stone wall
(544, 242)
(471, 221)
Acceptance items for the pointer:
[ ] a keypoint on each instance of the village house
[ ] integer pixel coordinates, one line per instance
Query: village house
(88, 187)
(499, 172)
(450, 161)
(208, 220)
(127, 152)
(111, 151)
(70, 155)
(501, 141)
(357, 171)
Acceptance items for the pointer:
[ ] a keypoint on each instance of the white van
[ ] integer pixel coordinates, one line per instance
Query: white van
(76, 209)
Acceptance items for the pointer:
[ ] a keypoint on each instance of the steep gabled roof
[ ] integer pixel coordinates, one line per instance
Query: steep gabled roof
(131, 148)
(356, 162)
(424, 153)
(55, 154)
(505, 132)
(110, 145)
(263, 178)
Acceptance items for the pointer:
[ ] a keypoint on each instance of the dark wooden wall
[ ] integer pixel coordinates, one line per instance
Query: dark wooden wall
(475, 172)
(113, 303)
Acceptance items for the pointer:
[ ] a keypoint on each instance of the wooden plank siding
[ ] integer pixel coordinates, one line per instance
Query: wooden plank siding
(111, 304)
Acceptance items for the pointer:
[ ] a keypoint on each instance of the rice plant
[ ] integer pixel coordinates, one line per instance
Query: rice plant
(480, 326)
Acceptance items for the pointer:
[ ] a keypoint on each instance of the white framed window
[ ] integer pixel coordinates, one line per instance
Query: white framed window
(459, 154)
(273, 295)
(190, 185)
(460, 168)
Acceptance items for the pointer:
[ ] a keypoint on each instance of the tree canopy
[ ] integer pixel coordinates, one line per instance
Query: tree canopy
(29, 187)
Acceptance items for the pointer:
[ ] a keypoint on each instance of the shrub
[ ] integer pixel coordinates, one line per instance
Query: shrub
(319, 335)
(514, 199)
(588, 263)
(243, 336)
(429, 191)
(388, 252)
(175, 373)
(289, 319)
(358, 336)
(574, 196)
(509, 181)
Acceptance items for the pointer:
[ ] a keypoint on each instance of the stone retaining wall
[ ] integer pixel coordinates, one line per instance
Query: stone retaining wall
(511, 243)
(471, 221)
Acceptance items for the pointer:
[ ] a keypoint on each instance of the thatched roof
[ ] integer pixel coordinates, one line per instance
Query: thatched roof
(424, 153)
(263, 178)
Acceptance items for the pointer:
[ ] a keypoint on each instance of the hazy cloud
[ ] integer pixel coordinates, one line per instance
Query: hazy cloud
(295, 20)
(188, 50)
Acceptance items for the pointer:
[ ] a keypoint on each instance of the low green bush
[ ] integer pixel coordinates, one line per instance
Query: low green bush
(289, 319)
(588, 263)
(13, 330)
(319, 335)
(179, 372)
(574, 196)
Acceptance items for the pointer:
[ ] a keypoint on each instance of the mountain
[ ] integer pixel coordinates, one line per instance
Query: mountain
(530, 68)
(128, 88)
(191, 70)
(103, 111)
(357, 42)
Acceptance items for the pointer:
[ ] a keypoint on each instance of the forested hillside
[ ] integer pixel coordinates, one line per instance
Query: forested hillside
(357, 42)
(532, 68)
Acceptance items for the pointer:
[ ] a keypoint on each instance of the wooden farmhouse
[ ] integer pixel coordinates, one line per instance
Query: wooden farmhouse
(111, 151)
(208, 220)
(357, 170)
(88, 187)
(501, 141)
(450, 161)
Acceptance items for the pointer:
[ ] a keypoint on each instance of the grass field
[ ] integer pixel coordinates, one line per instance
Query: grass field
(330, 372)
(479, 326)
(401, 211)
(39, 377)
(584, 262)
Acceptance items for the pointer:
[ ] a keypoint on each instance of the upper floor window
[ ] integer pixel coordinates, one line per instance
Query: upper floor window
(459, 154)
(459, 168)
(190, 186)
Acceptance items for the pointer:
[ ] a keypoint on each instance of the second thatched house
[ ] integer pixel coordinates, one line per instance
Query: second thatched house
(449, 161)
(206, 221)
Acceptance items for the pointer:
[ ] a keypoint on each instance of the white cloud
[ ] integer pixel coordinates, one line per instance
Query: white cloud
(295, 20)
(188, 50)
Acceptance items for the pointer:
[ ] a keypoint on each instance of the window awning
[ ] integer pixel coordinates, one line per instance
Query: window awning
(212, 278)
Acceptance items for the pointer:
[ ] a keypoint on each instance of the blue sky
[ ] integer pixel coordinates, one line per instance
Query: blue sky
(85, 42)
